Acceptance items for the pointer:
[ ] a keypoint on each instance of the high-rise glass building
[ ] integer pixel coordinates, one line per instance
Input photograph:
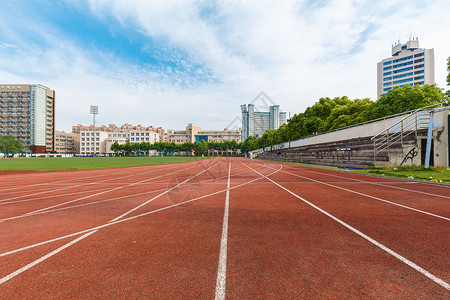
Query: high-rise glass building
(255, 123)
(27, 111)
(408, 64)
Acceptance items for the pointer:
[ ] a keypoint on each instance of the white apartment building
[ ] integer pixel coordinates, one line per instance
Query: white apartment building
(98, 140)
(92, 142)
(132, 136)
(408, 64)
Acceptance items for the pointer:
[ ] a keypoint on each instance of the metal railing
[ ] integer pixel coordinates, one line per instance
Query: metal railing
(409, 124)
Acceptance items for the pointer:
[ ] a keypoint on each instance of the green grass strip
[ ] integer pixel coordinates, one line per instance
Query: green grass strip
(83, 163)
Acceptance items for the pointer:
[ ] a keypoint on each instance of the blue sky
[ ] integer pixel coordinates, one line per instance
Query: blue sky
(169, 63)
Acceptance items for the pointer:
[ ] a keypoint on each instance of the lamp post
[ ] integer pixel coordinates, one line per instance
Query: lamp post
(94, 111)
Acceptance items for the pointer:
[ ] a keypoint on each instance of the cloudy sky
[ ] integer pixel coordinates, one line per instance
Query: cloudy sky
(169, 63)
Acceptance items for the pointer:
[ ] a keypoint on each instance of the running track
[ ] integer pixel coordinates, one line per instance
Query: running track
(221, 228)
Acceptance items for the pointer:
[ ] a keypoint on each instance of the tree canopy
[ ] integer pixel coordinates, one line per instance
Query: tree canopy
(334, 113)
(9, 145)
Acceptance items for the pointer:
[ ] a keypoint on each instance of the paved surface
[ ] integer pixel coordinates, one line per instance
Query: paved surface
(221, 228)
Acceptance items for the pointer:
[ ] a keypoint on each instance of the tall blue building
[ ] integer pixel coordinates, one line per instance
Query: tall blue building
(255, 123)
(408, 64)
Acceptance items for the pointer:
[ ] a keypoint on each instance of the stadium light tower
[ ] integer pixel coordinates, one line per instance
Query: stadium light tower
(94, 111)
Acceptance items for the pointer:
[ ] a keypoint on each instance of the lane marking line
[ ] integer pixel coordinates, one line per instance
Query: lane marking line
(127, 219)
(34, 263)
(368, 238)
(373, 197)
(163, 193)
(381, 184)
(112, 199)
(75, 186)
(222, 267)
(89, 196)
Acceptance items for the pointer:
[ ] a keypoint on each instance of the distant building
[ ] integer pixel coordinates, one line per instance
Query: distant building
(194, 133)
(255, 123)
(123, 136)
(67, 142)
(408, 64)
(99, 141)
(27, 111)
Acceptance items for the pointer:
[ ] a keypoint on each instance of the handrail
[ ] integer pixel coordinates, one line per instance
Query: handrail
(411, 112)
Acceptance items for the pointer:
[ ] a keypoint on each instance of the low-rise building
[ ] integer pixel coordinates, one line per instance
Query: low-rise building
(67, 142)
(98, 140)
(194, 133)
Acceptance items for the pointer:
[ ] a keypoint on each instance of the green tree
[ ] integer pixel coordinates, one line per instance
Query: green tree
(9, 145)
(200, 148)
(405, 98)
(115, 147)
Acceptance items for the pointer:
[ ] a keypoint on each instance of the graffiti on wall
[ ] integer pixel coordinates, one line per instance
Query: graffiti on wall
(411, 154)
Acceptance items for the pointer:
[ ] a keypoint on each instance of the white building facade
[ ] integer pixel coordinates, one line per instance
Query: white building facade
(408, 64)
(255, 123)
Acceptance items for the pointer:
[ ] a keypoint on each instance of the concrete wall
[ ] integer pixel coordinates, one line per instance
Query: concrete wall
(323, 149)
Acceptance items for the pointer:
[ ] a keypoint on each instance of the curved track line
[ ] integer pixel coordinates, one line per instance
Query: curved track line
(113, 199)
(368, 238)
(380, 184)
(80, 185)
(373, 197)
(36, 262)
(129, 218)
(92, 195)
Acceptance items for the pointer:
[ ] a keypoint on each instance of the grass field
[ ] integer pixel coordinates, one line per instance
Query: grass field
(81, 163)
(440, 175)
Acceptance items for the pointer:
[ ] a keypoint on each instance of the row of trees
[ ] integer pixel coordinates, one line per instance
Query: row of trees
(329, 114)
(198, 148)
(9, 145)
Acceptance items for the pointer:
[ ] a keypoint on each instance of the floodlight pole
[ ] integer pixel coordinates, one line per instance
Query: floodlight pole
(94, 111)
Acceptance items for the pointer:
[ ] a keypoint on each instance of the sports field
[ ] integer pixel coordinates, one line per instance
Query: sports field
(222, 228)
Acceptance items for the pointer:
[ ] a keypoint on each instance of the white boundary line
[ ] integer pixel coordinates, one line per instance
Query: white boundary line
(366, 237)
(385, 185)
(75, 186)
(111, 199)
(36, 262)
(88, 196)
(222, 267)
(126, 219)
(369, 196)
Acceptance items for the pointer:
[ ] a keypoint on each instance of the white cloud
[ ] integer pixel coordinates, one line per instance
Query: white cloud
(295, 52)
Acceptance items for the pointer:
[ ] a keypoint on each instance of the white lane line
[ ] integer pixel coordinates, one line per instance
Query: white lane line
(163, 193)
(373, 197)
(381, 184)
(106, 200)
(89, 196)
(127, 219)
(368, 238)
(75, 186)
(222, 268)
(54, 196)
(34, 263)
(51, 183)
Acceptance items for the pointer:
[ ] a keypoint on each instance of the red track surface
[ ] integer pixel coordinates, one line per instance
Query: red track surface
(177, 231)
